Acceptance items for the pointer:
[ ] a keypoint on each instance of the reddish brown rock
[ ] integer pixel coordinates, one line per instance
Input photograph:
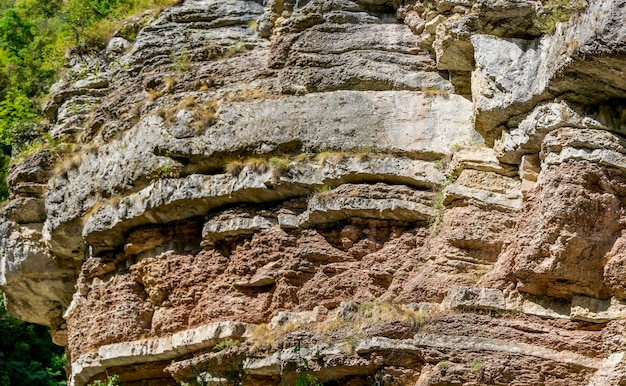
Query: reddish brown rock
(571, 221)
(295, 192)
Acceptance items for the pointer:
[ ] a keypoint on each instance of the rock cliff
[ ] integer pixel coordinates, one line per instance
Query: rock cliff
(347, 192)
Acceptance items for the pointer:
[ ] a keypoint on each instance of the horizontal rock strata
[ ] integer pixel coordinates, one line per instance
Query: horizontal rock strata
(352, 192)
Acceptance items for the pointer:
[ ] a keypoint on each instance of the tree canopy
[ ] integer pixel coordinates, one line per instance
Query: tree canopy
(36, 37)
(27, 354)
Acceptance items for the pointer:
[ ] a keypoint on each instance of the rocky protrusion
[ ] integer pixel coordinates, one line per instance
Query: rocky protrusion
(485, 188)
(29, 177)
(579, 61)
(38, 285)
(368, 201)
(262, 191)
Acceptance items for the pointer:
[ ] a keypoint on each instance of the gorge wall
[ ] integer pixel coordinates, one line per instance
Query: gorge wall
(363, 192)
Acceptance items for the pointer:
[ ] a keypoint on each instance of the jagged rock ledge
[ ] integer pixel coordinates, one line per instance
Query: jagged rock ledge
(419, 149)
(356, 354)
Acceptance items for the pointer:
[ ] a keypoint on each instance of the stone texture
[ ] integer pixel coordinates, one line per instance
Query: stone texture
(26, 210)
(529, 169)
(596, 310)
(378, 201)
(148, 350)
(486, 188)
(364, 192)
(513, 75)
(611, 372)
(476, 298)
(106, 227)
(581, 225)
(527, 137)
(29, 177)
(234, 224)
(38, 286)
(479, 158)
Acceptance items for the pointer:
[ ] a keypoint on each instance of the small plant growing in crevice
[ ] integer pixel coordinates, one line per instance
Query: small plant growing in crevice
(351, 342)
(281, 163)
(281, 166)
(233, 167)
(63, 152)
(154, 94)
(324, 189)
(262, 337)
(181, 62)
(308, 380)
(33, 147)
(204, 114)
(257, 165)
(168, 170)
(168, 84)
(202, 111)
(112, 380)
(244, 95)
(129, 31)
(303, 366)
(362, 153)
(368, 314)
(366, 307)
(225, 345)
(330, 156)
(236, 48)
(556, 11)
(438, 206)
(302, 157)
(477, 366)
(433, 92)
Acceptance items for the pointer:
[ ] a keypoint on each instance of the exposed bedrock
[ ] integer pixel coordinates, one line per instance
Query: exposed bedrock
(582, 61)
(355, 192)
(568, 243)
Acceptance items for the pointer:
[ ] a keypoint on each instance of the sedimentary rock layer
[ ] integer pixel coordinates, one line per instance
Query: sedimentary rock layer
(350, 192)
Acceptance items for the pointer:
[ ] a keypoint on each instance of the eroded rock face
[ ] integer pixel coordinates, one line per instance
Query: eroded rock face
(363, 192)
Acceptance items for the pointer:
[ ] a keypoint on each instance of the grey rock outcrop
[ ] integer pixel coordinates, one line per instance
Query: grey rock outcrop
(415, 192)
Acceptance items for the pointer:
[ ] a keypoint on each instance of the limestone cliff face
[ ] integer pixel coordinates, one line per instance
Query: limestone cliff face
(360, 192)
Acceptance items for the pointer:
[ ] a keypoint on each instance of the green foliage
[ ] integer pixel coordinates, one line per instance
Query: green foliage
(235, 48)
(438, 206)
(307, 380)
(112, 380)
(27, 354)
(56, 147)
(556, 11)
(15, 33)
(5, 160)
(15, 110)
(89, 24)
(35, 36)
(181, 61)
(366, 307)
(302, 364)
(280, 162)
(225, 344)
(168, 170)
(324, 189)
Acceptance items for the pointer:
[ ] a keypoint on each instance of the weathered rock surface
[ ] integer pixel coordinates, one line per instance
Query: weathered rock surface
(358, 192)
(38, 281)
